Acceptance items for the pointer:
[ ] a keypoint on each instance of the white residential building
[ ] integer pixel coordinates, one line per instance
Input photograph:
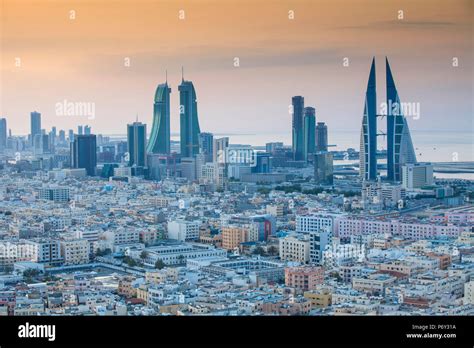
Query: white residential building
(417, 175)
(183, 230)
(315, 223)
(469, 292)
(122, 236)
(54, 193)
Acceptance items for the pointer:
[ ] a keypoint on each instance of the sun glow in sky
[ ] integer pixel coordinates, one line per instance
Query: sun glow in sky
(82, 59)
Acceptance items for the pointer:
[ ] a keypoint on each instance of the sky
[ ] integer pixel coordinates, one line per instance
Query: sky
(284, 48)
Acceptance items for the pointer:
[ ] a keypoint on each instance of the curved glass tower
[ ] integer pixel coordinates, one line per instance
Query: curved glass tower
(309, 131)
(159, 141)
(189, 123)
(399, 144)
(368, 137)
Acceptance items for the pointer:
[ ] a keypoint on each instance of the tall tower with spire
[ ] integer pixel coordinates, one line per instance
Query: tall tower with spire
(136, 144)
(159, 141)
(189, 122)
(400, 149)
(368, 136)
(399, 144)
(297, 124)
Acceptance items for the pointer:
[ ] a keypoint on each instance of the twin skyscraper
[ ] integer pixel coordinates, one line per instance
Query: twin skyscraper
(159, 142)
(399, 144)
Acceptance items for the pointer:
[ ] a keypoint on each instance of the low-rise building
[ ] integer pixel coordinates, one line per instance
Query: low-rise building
(304, 278)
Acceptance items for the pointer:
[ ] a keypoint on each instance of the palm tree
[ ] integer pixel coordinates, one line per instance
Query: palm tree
(144, 255)
(159, 264)
(258, 251)
(272, 250)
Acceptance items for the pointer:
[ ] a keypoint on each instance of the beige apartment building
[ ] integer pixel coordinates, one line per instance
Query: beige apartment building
(294, 249)
(75, 251)
(232, 236)
(304, 278)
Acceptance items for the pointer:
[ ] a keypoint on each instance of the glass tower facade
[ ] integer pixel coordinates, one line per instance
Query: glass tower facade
(368, 137)
(136, 137)
(309, 131)
(35, 122)
(321, 137)
(84, 153)
(206, 145)
(189, 122)
(3, 133)
(159, 141)
(298, 128)
(323, 168)
(399, 144)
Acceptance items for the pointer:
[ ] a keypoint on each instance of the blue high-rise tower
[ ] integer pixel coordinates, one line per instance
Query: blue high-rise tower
(35, 122)
(368, 137)
(309, 131)
(136, 140)
(399, 144)
(84, 153)
(159, 141)
(298, 128)
(3, 133)
(189, 122)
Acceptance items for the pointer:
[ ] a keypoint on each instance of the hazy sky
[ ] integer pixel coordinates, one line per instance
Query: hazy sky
(82, 60)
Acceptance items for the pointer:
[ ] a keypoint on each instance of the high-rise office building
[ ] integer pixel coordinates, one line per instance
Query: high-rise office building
(62, 136)
(42, 144)
(159, 141)
(38, 144)
(84, 153)
(71, 135)
(417, 175)
(321, 137)
(35, 122)
(3, 133)
(399, 144)
(368, 137)
(87, 130)
(309, 131)
(52, 139)
(323, 168)
(46, 143)
(263, 163)
(121, 148)
(136, 137)
(298, 128)
(188, 168)
(219, 147)
(206, 145)
(189, 122)
(272, 147)
(80, 130)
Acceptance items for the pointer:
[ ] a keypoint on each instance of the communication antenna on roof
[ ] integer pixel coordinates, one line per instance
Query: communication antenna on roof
(182, 73)
(166, 74)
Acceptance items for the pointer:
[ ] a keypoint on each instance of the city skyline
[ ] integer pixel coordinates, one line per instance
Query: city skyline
(162, 106)
(305, 158)
(301, 67)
